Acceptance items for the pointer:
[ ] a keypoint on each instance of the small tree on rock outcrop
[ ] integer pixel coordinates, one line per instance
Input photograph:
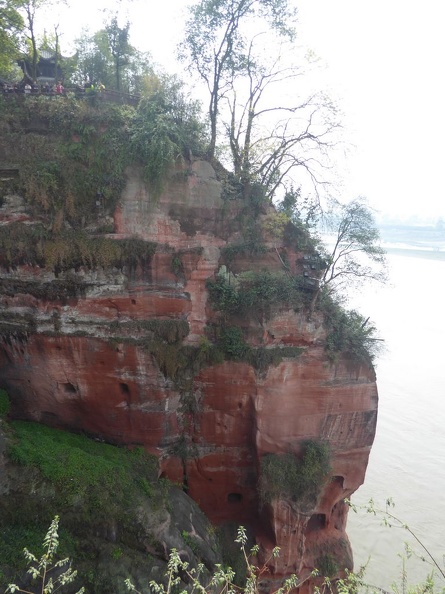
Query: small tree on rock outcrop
(355, 254)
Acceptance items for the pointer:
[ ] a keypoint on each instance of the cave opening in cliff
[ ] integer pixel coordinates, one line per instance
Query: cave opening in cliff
(234, 498)
(316, 522)
(69, 388)
(338, 481)
(125, 390)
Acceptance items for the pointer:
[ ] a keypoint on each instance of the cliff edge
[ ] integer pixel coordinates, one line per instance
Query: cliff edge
(184, 327)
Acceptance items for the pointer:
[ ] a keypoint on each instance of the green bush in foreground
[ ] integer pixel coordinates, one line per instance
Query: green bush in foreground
(180, 578)
(47, 570)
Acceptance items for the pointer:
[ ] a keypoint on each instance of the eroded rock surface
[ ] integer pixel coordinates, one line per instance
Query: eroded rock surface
(89, 360)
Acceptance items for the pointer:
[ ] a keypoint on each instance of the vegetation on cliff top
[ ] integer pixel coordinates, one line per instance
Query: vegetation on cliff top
(72, 155)
(86, 136)
(75, 151)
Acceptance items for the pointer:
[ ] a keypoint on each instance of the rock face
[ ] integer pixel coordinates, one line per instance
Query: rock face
(123, 358)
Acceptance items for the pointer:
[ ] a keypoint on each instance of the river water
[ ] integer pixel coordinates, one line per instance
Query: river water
(407, 461)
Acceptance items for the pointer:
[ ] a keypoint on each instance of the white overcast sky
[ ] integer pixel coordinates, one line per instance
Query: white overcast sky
(384, 62)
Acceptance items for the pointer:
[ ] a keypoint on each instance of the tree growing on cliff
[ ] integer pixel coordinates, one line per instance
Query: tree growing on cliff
(275, 142)
(119, 47)
(30, 9)
(267, 139)
(107, 56)
(11, 26)
(215, 45)
(353, 254)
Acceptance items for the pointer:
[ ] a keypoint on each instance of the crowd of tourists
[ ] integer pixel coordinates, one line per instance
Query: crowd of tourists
(34, 88)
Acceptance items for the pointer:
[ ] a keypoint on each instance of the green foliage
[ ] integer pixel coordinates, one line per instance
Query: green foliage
(5, 403)
(86, 149)
(35, 245)
(47, 570)
(50, 575)
(117, 553)
(13, 539)
(101, 476)
(222, 579)
(223, 294)
(166, 126)
(349, 333)
(327, 565)
(261, 358)
(304, 213)
(56, 290)
(11, 25)
(107, 57)
(299, 479)
(232, 343)
(191, 542)
(249, 248)
(82, 153)
(356, 254)
(177, 266)
(214, 45)
(255, 292)
(232, 554)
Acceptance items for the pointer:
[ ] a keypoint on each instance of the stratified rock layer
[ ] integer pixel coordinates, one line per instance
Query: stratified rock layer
(83, 365)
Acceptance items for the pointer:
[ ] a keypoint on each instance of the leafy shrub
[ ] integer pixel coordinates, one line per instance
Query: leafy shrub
(167, 125)
(255, 291)
(327, 565)
(232, 343)
(87, 148)
(47, 570)
(261, 358)
(348, 333)
(84, 153)
(299, 479)
(253, 247)
(223, 295)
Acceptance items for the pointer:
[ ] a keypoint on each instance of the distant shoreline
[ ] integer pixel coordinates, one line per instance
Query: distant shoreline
(430, 254)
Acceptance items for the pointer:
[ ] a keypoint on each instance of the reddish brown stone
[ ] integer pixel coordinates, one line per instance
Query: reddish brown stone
(212, 430)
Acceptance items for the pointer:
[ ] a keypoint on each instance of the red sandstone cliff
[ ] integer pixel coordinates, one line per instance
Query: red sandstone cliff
(81, 364)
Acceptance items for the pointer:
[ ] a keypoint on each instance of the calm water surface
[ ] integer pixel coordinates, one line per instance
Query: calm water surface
(407, 461)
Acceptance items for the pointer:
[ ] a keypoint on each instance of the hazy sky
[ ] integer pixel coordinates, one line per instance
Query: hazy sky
(384, 64)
